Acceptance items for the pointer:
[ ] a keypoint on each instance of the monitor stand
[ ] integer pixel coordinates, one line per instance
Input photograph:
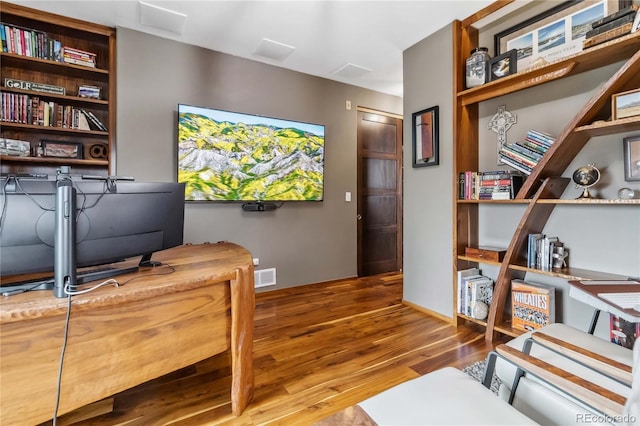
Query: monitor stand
(99, 273)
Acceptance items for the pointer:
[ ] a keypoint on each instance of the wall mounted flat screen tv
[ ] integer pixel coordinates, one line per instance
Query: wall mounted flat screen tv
(229, 156)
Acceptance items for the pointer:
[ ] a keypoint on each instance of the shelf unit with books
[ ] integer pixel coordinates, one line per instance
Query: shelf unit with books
(37, 59)
(542, 190)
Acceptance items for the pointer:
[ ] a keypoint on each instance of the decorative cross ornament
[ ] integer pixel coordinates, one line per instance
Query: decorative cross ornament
(500, 123)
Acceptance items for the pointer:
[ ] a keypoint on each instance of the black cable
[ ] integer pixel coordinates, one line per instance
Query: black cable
(62, 352)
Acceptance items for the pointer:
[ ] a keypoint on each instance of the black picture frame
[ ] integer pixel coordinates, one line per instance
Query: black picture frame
(502, 65)
(497, 38)
(632, 158)
(59, 149)
(425, 134)
(546, 20)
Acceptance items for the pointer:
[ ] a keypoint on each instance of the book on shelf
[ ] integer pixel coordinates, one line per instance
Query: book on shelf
(516, 165)
(473, 287)
(540, 250)
(15, 147)
(27, 109)
(532, 305)
(490, 185)
(610, 25)
(532, 249)
(629, 10)
(461, 276)
(525, 155)
(29, 42)
(608, 35)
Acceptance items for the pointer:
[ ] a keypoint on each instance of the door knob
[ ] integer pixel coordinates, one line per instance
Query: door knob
(359, 216)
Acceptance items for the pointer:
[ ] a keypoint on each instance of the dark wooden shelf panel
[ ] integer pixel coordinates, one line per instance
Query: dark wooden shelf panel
(595, 57)
(516, 201)
(505, 328)
(624, 125)
(478, 260)
(75, 100)
(571, 273)
(592, 201)
(474, 320)
(53, 160)
(53, 129)
(12, 59)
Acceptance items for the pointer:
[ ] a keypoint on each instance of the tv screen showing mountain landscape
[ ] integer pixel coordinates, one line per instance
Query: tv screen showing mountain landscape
(228, 156)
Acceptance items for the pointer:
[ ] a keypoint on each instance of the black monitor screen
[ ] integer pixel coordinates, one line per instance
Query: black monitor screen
(114, 220)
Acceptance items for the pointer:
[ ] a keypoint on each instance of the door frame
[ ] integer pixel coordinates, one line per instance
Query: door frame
(399, 186)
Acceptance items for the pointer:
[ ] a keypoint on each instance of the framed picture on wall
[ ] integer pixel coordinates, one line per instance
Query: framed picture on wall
(632, 158)
(425, 137)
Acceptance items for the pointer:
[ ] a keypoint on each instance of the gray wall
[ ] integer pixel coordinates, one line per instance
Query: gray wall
(306, 242)
(427, 210)
(603, 238)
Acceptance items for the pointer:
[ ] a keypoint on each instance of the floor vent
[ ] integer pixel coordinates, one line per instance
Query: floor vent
(264, 277)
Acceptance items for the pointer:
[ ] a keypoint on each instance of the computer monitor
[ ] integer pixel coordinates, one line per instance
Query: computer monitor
(114, 220)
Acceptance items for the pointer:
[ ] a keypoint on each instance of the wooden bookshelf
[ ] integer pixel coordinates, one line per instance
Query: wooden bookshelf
(541, 191)
(76, 34)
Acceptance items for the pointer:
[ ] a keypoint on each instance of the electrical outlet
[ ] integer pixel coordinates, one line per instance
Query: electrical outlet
(256, 261)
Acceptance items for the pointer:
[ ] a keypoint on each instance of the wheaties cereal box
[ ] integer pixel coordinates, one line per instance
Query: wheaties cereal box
(532, 305)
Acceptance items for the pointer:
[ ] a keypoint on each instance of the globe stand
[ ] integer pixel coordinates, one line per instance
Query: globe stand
(585, 177)
(585, 193)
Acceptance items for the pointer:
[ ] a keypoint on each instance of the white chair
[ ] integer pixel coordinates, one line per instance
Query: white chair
(591, 359)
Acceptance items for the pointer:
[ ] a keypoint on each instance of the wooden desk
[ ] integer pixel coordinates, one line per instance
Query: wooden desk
(121, 337)
(588, 293)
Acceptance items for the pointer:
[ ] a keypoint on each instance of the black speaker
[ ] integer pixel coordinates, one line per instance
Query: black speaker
(259, 207)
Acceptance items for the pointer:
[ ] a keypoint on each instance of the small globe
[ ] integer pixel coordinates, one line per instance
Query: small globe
(585, 177)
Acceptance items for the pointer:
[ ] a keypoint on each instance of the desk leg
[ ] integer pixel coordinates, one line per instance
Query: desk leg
(594, 321)
(242, 312)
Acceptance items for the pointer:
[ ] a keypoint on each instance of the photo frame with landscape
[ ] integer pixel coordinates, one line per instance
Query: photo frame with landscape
(632, 158)
(425, 137)
(625, 104)
(555, 33)
(61, 149)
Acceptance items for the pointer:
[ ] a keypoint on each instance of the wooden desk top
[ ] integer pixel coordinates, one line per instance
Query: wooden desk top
(593, 290)
(187, 267)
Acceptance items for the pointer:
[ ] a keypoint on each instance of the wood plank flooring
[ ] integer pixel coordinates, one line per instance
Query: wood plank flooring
(317, 349)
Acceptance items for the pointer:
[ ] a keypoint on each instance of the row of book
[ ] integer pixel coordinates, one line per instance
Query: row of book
(532, 304)
(38, 44)
(28, 42)
(490, 185)
(74, 56)
(473, 287)
(525, 155)
(26, 109)
(617, 24)
(541, 249)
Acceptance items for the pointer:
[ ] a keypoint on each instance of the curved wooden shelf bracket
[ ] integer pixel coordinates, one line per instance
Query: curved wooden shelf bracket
(533, 220)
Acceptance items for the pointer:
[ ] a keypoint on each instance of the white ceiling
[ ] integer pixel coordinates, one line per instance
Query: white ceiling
(326, 35)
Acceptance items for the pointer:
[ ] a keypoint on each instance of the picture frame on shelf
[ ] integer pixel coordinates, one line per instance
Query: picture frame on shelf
(502, 65)
(625, 104)
(632, 158)
(425, 142)
(555, 33)
(59, 149)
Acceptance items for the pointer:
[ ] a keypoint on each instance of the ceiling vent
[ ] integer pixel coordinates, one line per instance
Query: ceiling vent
(351, 71)
(161, 18)
(274, 49)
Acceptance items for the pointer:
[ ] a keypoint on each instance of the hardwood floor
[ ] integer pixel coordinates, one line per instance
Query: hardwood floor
(317, 349)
